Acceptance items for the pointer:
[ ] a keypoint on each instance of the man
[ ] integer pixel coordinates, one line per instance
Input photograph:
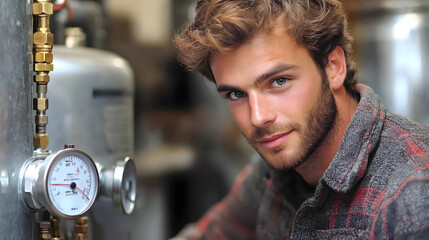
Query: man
(336, 164)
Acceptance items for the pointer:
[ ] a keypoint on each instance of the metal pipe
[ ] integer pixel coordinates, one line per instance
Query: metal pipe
(43, 41)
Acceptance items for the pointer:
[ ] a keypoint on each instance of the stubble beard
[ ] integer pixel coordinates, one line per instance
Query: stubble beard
(320, 121)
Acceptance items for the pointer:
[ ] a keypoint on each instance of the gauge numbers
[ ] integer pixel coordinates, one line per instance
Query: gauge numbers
(72, 183)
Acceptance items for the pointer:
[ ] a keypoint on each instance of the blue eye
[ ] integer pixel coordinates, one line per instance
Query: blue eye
(234, 95)
(279, 82)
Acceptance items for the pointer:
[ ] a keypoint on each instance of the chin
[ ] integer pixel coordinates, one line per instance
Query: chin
(279, 160)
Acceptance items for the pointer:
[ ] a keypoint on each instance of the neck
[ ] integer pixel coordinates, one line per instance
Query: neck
(317, 163)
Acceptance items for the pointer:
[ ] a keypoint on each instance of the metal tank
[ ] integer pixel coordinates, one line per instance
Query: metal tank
(91, 105)
(393, 54)
(16, 122)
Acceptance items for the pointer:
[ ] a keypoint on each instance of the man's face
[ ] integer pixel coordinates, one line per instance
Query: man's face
(278, 97)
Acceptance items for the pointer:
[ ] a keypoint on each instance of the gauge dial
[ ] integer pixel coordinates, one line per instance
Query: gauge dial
(68, 183)
(72, 183)
(65, 183)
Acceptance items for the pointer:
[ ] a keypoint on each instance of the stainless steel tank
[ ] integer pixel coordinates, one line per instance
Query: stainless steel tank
(16, 123)
(393, 54)
(91, 97)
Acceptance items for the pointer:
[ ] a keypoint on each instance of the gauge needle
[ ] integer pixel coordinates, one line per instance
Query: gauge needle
(72, 186)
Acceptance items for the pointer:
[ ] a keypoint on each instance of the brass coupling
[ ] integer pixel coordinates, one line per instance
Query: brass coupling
(43, 41)
(45, 230)
(81, 228)
(56, 232)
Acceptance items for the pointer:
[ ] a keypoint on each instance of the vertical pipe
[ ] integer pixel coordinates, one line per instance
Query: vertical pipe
(42, 46)
(15, 113)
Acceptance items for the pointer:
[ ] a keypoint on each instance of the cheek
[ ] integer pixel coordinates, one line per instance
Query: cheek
(297, 102)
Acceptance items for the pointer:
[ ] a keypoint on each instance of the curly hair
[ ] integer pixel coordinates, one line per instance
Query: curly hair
(223, 25)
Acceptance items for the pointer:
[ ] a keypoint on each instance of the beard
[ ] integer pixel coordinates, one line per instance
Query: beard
(319, 121)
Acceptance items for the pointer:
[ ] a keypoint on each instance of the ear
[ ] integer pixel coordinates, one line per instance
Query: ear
(336, 68)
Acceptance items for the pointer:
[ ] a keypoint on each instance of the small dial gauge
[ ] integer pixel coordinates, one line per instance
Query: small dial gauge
(65, 183)
(71, 183)
(120, 184)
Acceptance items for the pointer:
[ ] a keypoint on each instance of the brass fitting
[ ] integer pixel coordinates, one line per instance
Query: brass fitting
(81, 228)
(43, 67)
(56, 232)
(82, 220)
(41, 57)
(45, 235)
(42, 38)
(45, 230)
(42, 78)
(41, 119)
(78, 228)
(40, 104)
(40, 8)
(43, 41)
(41, 140)
(81, 236)
(42, 48)
(44, 225)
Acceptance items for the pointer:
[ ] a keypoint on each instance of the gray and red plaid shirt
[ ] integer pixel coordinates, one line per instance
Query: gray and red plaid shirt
(377, 187)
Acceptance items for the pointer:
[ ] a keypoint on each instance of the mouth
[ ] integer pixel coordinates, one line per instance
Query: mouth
(273, 141)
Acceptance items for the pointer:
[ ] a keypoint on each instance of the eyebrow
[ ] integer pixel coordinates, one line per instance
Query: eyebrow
(271, 72)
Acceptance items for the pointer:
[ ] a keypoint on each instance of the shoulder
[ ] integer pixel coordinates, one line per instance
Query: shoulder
(403, 213)
(399, 129)
(403, 144)
(402, 155)
(401, 163)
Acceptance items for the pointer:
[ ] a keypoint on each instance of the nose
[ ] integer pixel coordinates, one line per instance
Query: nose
(261, 110)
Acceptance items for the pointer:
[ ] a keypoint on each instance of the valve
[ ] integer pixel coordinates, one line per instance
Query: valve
(120, 184)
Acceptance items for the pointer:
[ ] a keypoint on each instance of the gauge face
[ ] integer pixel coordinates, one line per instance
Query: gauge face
(125, 174)
(71, 183)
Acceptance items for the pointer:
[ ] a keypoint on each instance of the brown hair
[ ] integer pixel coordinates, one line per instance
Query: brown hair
(223, 25)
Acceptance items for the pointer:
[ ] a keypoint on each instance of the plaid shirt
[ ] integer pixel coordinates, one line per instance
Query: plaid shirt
(376, 187)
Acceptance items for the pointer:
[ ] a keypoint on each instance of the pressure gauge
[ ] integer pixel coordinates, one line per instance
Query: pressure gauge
(120, 184)
(65, 183)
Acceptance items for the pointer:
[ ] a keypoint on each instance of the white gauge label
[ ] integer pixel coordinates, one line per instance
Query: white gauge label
(71, 184)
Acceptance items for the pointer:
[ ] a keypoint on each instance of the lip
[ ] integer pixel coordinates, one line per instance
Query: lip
(274, 141)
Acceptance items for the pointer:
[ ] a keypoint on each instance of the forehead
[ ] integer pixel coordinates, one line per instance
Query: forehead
(259, 54)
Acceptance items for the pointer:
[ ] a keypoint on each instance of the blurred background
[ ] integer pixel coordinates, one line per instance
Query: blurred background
(186, 148)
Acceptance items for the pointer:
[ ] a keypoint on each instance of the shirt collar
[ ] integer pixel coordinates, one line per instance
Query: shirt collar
(362, 136)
